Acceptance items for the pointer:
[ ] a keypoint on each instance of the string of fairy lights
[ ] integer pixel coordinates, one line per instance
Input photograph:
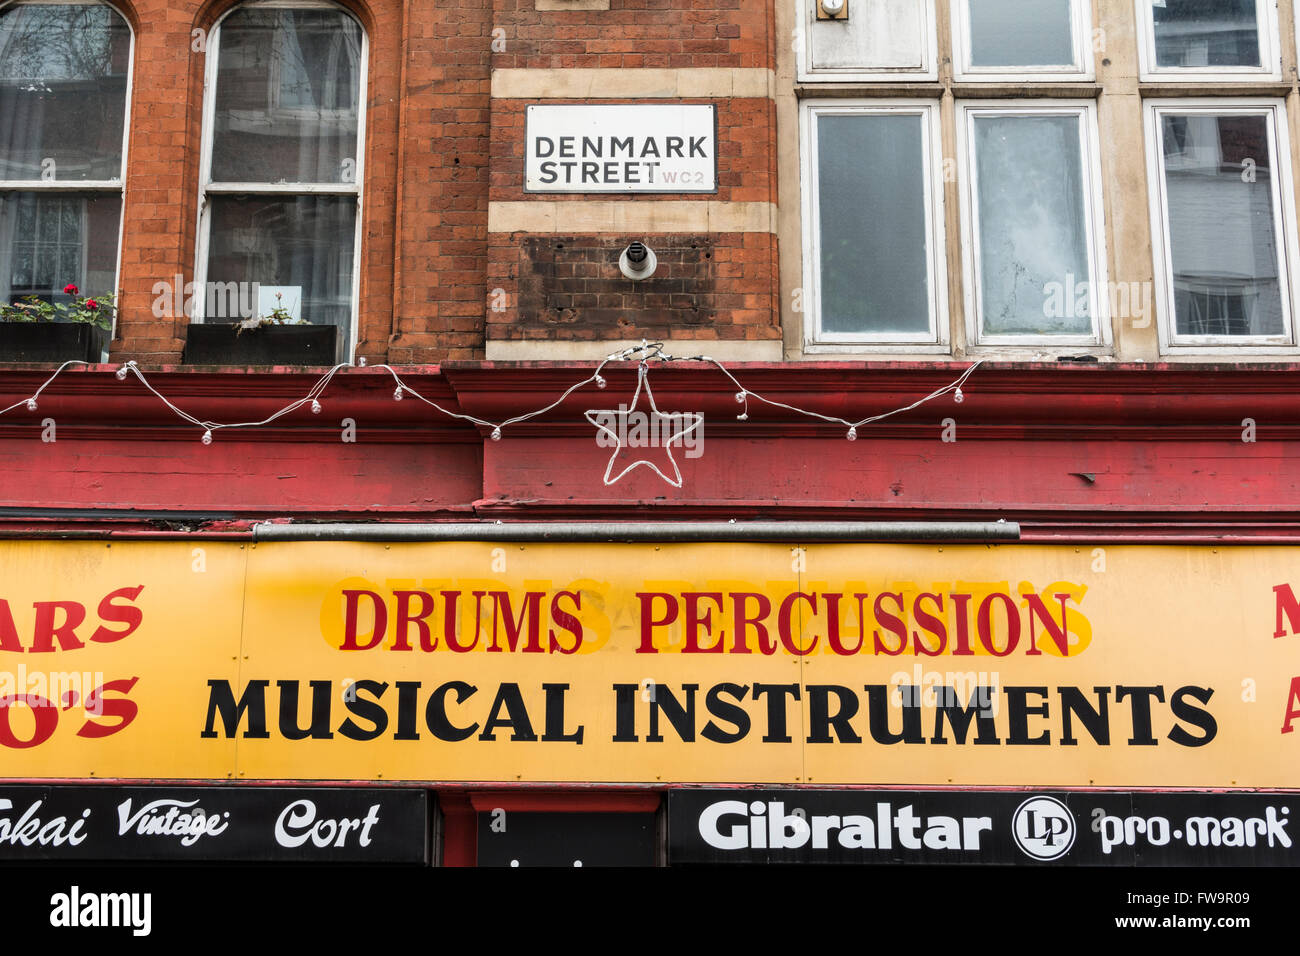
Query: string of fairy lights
(644, 355)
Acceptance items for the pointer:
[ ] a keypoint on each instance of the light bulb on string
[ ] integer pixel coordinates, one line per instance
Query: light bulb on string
(397, 394)
(853, 433)
(31, 404)
(600, 381)
(121, 374)
(496, 434)
(958, 397)
(315, 407)
(207, 437)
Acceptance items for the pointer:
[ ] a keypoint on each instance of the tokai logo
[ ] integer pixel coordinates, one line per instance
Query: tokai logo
(164, 818)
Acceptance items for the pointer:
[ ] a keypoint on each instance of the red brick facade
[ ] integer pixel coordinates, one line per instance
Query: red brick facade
(438, 147)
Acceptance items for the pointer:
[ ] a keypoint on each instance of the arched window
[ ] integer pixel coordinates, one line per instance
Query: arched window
(64, 80)
(281, 175)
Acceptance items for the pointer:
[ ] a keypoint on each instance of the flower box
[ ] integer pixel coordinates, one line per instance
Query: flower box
(228, 344)
(52, 342)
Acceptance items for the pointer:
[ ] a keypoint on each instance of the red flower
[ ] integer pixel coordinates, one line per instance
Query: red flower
(92, 305)
(70, 289)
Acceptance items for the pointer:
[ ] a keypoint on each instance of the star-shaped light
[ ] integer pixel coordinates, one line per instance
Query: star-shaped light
(694, 419)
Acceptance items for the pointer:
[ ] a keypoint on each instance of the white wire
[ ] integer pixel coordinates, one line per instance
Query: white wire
(643, 353)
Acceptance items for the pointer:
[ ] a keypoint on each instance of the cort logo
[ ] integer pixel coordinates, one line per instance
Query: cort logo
(74, 908)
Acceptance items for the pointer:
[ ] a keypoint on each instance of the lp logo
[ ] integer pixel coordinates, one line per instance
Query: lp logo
(1043, 828)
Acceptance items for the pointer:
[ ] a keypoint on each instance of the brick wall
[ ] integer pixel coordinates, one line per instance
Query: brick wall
(438, 148)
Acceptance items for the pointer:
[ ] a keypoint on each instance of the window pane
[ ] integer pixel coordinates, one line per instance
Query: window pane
(1033, 243)
(287, 97)
(62, 91)
(1021, 33)
(1222, 233)
(1206, 33)
(301, 245)
(48, 240)
(873, 249)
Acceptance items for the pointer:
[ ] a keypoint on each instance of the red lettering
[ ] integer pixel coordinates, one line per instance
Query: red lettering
(8, 632)
(514, 627)
(1286, 604)
(350, 634)
(1292, 706)
(648, 620)
(126, 614)
(933, 625)
(46, 714)
(1060, 635)
(47, 631)
(744, 621)
(783, 622)
(892, 622)
(567, 621)
(694, 621)
(833, 623)
(401, 640)
(984, 621)
(121, 709)
(962, 647)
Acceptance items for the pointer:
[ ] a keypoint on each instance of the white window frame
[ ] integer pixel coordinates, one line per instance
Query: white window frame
(117, 185)
(1270, 52)
(928, 70)
(1284, 220)
(1082, 70)
(208, 188)
(937, 339)
(1094, 222)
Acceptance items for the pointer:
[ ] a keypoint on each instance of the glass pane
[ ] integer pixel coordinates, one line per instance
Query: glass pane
(1035, 276)
(287, 97)
(299, 245)
(62, 91)
(873, 250)
(1222, 233)
(1021, 33)
(1206, 33)
(50, 240)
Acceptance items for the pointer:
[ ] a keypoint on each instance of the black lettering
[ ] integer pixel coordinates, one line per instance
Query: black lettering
(252, 702)
(370, 710)
(821, 720)
(725, 710)
(978, 708)
(1198, 716)
(1141, 710)
(512, 701)
(320, 710)
(435, 712)
(1018, 711)
(1097, 721)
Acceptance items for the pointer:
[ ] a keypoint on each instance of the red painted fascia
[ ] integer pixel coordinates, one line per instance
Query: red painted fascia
(1044, 400)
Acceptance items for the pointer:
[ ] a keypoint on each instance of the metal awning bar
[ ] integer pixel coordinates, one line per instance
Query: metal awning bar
(861, 531)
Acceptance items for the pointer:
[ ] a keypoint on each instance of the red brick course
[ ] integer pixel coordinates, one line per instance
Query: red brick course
(437, 147)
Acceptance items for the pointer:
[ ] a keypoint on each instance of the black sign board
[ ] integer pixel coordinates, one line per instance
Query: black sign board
(241, 824)
(1001, 827)
(519, 838)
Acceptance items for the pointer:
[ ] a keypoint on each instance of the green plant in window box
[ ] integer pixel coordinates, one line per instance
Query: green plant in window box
(279, 315)
(86, 310)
